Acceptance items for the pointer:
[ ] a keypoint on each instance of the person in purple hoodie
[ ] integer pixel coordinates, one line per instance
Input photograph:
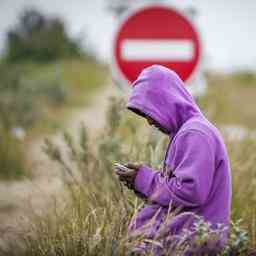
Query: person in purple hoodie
(195, 177)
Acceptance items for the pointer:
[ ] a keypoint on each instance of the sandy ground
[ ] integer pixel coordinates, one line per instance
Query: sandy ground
(19, 198)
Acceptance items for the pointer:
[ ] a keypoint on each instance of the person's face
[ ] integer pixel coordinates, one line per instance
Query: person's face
(157, 125)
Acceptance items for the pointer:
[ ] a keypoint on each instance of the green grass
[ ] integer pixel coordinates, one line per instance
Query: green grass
(40, 98)
(80, 75)
(244, 184)
(81, 80)
(230, 99)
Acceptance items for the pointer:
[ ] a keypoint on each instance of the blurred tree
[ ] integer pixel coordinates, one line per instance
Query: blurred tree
(40, 38)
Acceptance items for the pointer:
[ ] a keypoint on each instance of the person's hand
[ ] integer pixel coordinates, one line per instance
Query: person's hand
(128, 177)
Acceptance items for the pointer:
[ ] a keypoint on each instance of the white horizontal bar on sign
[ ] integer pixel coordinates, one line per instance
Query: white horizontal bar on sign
(157, 49)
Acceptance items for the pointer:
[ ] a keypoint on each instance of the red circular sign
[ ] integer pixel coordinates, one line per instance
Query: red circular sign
(156, 35)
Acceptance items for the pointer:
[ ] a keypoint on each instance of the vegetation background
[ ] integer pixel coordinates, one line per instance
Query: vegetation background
(45, 79)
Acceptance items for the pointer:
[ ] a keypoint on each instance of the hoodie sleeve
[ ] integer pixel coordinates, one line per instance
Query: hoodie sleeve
(190, 184)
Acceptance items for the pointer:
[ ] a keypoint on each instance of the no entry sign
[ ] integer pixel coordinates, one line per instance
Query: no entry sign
(156, 34)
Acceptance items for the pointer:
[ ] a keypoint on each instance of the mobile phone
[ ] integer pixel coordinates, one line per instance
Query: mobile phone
(121, 167)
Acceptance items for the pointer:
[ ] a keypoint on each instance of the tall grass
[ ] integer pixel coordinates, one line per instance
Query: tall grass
(230, 99)
(97, 209)
(243, 162)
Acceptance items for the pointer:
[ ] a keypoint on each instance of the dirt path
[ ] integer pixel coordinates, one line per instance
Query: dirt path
(20, 197)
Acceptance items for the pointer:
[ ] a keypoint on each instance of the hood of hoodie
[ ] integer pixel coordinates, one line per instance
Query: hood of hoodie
(160, 94)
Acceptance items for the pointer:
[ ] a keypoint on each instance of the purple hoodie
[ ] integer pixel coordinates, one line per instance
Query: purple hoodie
(196, 173)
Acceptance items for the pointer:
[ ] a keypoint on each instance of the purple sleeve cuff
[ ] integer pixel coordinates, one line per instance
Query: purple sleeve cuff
(144, 179)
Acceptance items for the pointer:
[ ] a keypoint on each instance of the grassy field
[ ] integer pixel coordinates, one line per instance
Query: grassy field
(230, 99)
(38, 98)
(80, 80)
(94, 219)
(40, 95)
